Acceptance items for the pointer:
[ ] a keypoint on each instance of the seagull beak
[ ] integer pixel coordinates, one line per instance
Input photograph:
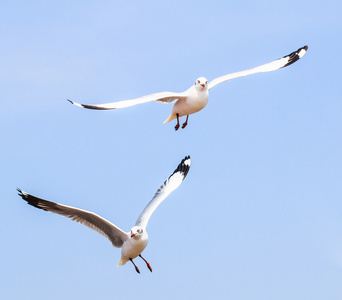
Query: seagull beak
(132, 234)
(202, 84)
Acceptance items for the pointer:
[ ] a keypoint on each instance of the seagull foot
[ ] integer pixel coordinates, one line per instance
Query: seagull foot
(149, 266)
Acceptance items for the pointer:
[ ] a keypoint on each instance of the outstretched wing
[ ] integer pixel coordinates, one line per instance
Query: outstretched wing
(89, 219)
(274, 65)
(165, 97)
(166, 189)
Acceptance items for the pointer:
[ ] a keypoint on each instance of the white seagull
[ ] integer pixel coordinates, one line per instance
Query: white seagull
(133, 242)
(196, 97)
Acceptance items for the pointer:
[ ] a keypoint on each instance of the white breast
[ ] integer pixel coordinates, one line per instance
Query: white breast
(196, 101)
(133, 247)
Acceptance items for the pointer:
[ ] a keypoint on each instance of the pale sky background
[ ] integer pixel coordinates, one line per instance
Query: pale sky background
(259, 215)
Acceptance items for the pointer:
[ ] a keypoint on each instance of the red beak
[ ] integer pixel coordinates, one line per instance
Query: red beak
(132, 234)
(203, 84)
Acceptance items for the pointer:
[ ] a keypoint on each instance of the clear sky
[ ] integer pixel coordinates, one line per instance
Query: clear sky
(259, 215)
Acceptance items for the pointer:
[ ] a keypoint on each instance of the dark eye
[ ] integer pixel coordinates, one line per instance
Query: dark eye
(198, 81)
(206, 82)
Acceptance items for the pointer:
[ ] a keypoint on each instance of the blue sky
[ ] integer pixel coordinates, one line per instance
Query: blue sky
(259, 215)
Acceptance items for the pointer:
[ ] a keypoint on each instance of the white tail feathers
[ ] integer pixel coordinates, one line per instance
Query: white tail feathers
(122, 262)
(169, 119)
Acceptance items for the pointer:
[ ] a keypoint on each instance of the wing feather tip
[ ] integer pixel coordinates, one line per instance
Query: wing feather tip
(183, 167)
(22, 194)
(31, 200)
(296, 55)
(75, 103)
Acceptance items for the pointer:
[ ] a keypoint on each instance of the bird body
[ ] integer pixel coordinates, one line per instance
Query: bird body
(196, 97)
(133, 242)
(133, 246)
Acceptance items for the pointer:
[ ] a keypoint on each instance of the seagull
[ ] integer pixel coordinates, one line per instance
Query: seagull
(196, 97)
(132, 242)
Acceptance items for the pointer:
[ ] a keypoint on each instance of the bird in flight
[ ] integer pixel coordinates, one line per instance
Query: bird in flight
(133, 242)
(196, 97)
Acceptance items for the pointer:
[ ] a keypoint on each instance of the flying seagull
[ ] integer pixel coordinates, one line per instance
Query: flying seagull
(196, 97)
(132, 242)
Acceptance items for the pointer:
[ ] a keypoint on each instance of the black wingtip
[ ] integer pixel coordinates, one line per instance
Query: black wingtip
(96, 107)
(31, 200)
(296, 55)
(23, 195)
(20, 193)
(184, 166)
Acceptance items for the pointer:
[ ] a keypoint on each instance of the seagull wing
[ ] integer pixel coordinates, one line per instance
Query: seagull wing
(274, 65)
(89, 219)
(165, 97)
(166, 189)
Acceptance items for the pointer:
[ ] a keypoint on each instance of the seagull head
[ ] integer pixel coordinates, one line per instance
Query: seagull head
(201, 83)
(137, 232)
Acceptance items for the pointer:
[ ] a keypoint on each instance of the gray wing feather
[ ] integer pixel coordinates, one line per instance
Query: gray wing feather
(89, 219)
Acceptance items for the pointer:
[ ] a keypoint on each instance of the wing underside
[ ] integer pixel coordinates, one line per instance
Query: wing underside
(164, 97)
(274, 65)
(89, 219)
(165, 189)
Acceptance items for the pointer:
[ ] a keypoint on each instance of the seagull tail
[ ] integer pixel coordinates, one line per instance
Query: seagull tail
(121, 262)
(169, 119)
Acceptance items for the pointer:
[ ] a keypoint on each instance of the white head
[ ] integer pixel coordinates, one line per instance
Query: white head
(201, 83)
(137, 232)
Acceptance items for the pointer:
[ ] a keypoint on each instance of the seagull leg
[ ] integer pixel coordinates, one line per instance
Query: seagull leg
(136, 268)
(177, 125)
(186, 122)
(147, 263)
